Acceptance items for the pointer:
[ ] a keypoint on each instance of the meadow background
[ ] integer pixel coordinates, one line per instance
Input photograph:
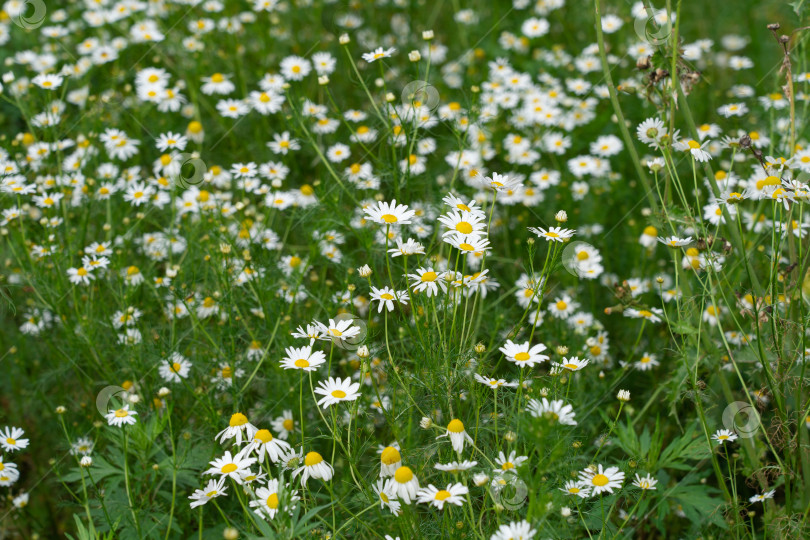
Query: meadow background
(221, 262)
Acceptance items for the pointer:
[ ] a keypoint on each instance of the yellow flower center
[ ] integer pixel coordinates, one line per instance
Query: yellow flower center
(301, 363)
(522, 356)
(442, 495)
(312, 458)
(272, 501)
(464, 228)
(121, 413)
(238, 419)
(600, 480)
(429, 276)
(455, 426)
(339, 394)
(403, 475)
(229, 468)
(264, 436)
(390, 456)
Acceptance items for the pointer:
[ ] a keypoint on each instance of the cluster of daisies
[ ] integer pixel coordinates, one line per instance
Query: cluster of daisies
(254, 446)
(12, 441)
(759, 177)
(527, 125)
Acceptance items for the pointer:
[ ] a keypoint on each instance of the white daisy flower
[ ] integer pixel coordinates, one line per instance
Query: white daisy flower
(557, 410)
(314, 467)
(236, 467)
(336, 391)
(214, 488)
(457, 434)
(237, 427)
(645, 483)
(724, 436)
(452, 494)
(602, 480)
(264, 443)
(121, 416)
(405, 484)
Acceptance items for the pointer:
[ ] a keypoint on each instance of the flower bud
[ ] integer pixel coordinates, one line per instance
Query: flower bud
(480, 479)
